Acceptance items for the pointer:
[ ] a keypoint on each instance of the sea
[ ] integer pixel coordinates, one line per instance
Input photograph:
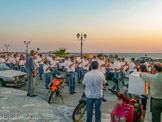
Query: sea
(127, 56)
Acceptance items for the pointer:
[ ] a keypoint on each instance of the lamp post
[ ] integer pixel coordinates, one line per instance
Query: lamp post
(6, 45)
(27, 45)
(81, 37)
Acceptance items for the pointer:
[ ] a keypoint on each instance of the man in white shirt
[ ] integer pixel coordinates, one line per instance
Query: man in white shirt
(79, 69)
(148, 65)
(53, 63)
(71, 71)
(132, 66)
(22, 64)
(118, 71)
(86, 64)
(2, 59)
(50, 58)
(102, 64)
(66, 63)
(94, 82)
(9, 60)
(46, 69)
(41, 63)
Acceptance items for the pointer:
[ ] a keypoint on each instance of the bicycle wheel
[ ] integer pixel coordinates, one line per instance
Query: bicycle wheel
(79, 111)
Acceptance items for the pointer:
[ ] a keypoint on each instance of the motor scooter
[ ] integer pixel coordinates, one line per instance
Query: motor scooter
(56, 87)
(130, 110)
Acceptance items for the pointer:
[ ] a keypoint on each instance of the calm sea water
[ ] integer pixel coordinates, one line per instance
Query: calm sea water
(131, 55)
(137, 55)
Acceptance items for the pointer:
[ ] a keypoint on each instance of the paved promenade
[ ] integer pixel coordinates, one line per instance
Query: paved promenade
(17, 107)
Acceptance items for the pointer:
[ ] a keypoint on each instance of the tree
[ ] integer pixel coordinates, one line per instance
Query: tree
(61, 52)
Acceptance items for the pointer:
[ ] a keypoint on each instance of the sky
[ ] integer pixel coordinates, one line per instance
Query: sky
(112, 26)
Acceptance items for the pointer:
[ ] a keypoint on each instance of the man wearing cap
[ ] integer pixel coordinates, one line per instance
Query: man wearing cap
(30, 73)
(9, 60)
(2, 59)
(155, 82)
(22, 64)
(101, 68)
(148, 65)
(71, 71)
(47, 71)
(66, 62)
(41, 63)
(132, 66)
(79, 70)
(53, 63)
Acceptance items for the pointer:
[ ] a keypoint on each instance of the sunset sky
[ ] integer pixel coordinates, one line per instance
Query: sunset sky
(118, 26)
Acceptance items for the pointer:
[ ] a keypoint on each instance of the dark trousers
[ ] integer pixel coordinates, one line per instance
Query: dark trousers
(90, 103)
(156, 110)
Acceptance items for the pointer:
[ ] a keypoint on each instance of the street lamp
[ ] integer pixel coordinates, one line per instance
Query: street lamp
(6, 45)
(27, 44)
(81, 37)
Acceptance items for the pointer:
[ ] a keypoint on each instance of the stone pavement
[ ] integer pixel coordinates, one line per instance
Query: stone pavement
(15, 106)
(15, 103)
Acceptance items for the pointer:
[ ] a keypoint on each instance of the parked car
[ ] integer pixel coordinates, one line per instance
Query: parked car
(10, 77)
(143, 59)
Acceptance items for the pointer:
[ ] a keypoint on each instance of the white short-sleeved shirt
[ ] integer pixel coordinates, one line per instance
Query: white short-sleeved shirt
(41, 59)
(72, 68)
(85, 62)
(45, 66)
(2, 60)
(94, 81)
(9, 60)
(80, 65)
(147, 65)
(66, 62)
(18, 59)
(117, 65)
(100, 67)
(49, 59)
(132, 66)
(53, 63)
(22, 63)
(36, 63)
(13, 60)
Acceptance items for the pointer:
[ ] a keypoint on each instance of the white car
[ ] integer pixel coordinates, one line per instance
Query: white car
(10, 77)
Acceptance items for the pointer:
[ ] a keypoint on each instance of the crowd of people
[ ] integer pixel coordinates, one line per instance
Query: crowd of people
(92, 71)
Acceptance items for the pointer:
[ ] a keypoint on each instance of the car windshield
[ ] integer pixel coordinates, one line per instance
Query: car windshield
(3, 67)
